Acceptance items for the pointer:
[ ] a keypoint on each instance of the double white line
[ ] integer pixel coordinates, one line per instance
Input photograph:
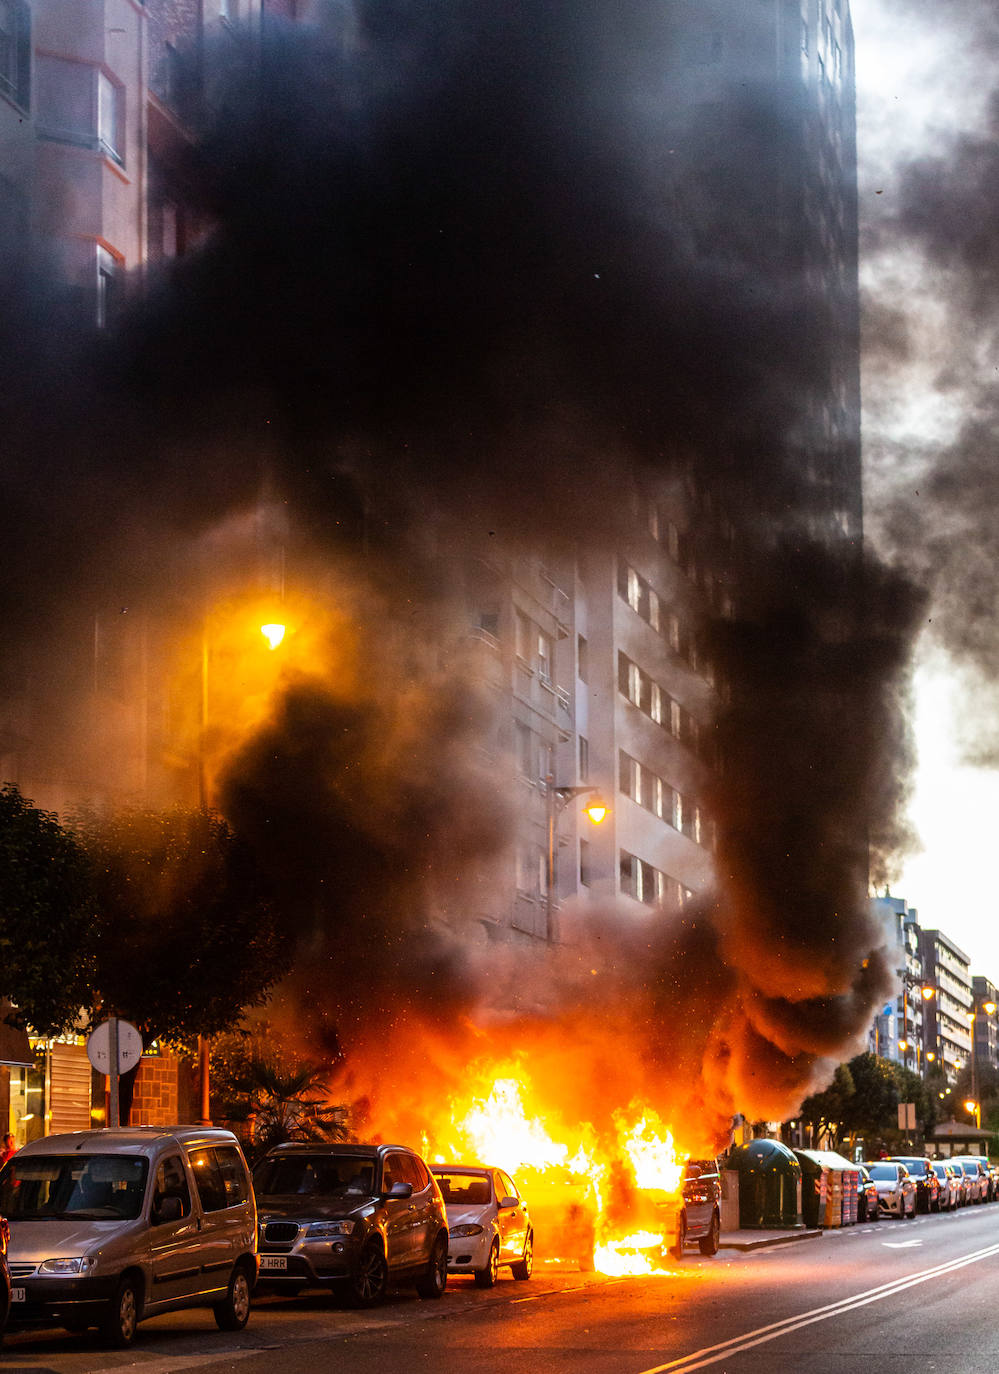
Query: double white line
(711, 1354)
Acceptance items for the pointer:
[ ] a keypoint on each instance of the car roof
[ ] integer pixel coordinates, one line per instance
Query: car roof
(127, 1140)
(332, 1147)
(463, 1169)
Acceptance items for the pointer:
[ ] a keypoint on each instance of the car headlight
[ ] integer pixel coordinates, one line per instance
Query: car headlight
(318, 1229)
(466, 1230)
(79, 1264)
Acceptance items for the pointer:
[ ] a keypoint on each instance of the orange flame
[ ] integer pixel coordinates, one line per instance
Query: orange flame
(609, 1200)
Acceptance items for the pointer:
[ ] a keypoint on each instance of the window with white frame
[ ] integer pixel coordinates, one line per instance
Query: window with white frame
(107, 286)
(110, 103)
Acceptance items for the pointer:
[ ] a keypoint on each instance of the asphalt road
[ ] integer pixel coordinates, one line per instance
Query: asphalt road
(894, 1296)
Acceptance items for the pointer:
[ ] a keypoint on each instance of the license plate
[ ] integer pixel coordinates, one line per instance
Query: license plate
(17, 1295)
(274, 1261)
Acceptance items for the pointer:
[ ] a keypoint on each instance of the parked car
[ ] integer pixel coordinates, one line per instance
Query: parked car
(926, 1181)
(5, 1284)
(976, 1177)
(354, 1219)
(867, 1196)
(699, 1214)
(110, 1227)
(951, 1182)
(992, 1175)
(488, 1223)
(896, 1188)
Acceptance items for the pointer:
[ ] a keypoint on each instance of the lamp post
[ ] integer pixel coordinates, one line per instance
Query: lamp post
(274, 633)
(558, 798)
(927, 992)
(989, 1008)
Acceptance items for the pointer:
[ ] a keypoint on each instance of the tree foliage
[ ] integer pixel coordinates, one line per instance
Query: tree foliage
(185, 938)
(47, 911)
(827, 1112)
(270, 1094)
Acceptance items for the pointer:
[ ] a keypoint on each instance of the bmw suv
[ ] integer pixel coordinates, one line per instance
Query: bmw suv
(356, 1219)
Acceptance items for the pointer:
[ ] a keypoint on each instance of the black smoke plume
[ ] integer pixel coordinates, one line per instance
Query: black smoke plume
(476, 272)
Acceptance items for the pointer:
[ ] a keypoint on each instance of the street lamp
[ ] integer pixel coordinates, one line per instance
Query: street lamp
(273, 632)
(975, 1107)
(559, 798)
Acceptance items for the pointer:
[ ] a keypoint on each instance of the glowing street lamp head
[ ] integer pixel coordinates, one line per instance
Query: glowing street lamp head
(989, 1008)
(970, 1106)
(928, 992)
(596, 810)
(273, 634)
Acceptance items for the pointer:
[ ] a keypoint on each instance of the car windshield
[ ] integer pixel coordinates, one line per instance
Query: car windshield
(81, 1187)
(883, 1170)
(324, 1175)
(463, 1189)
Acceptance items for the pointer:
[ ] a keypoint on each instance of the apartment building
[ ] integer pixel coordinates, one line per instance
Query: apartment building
(949, 1015)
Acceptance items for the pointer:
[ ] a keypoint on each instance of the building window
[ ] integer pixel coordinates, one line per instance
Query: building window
(584, 863)
(79, 104)
(582, 659)
(524, 636)
(110, 104)
(648, 884)
(545, 653)
(525, 749)
(15, 51)
(584, 759)
(107, 286)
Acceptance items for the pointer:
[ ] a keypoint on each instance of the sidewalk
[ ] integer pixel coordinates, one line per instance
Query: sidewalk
(756, 1240)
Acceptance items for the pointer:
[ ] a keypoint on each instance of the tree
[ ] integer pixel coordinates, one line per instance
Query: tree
(47, 909)
(273, 1094)
(873, 1108)
(185, 938)
(826, 1112)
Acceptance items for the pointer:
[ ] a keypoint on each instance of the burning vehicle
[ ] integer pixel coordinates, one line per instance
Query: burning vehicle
(352, 1218)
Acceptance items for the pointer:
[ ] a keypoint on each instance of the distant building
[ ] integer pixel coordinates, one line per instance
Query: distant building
(898, 1029)
(985, 1027)
(948, 1015)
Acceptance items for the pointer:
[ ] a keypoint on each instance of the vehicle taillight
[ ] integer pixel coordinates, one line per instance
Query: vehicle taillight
(4, 1235)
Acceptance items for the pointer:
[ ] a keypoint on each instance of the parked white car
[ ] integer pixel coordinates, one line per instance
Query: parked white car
(896, 1187)
(488, 1223)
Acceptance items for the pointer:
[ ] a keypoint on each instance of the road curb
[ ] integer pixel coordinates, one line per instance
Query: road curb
(748, 1241)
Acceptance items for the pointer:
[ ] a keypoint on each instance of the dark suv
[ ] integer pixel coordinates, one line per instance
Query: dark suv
(927, 1183)
(699, 1213)
(353, 1218)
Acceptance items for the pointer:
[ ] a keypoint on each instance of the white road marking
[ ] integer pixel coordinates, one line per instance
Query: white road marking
(699, 1359)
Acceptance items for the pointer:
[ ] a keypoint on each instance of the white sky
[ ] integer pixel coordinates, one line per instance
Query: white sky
(916, 82)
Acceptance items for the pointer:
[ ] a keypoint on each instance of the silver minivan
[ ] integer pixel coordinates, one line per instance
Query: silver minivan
(108, 1227)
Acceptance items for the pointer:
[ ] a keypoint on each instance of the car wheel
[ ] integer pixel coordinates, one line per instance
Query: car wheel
(524, 1268)
(486, 1277)
(367, 1284)
(122, 1316)
(676, 1249)
(434, 1281)
(708, 1245)
(233, 1312)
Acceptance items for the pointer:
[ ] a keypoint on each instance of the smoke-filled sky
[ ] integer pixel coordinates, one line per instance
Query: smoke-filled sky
(456, 265)
(928, 109)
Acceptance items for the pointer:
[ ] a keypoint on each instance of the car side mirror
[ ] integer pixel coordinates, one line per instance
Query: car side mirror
(509, 1201)
(169, 1209)
(399, 1190)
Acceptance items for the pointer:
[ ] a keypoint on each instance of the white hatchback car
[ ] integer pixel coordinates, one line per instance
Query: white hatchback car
(488, 1223)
